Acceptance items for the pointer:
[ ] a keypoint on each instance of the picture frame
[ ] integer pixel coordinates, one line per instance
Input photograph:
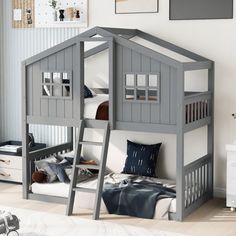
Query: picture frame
(200, 9)
(136, 6)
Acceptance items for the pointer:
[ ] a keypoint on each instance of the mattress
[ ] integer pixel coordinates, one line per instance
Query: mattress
(96, 107)
(86, 200)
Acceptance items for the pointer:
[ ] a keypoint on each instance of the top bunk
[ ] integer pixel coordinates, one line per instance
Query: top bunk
(147, 83)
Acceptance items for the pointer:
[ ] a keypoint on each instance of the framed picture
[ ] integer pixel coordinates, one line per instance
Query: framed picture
(23, 14)
(200, 9)
(136, 6)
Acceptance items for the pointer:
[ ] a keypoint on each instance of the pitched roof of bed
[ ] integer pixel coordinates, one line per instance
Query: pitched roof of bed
(123, 36)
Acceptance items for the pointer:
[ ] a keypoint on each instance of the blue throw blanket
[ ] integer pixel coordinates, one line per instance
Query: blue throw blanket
(135, 198)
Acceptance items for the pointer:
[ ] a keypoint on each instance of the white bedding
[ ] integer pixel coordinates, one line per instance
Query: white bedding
(86, 200)
(91, 105)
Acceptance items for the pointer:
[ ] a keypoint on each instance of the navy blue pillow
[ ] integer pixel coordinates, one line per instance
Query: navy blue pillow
(87, 92)
(141, 159)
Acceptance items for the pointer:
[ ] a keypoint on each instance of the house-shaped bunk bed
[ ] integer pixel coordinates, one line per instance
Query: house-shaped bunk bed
(162, 106)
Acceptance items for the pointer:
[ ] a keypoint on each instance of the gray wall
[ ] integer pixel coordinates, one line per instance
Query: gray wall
(20, 44)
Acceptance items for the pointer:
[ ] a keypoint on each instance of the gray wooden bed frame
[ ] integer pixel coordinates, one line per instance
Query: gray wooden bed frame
(173, 111)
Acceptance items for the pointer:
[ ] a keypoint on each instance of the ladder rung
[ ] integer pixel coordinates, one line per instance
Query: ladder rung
(92, 167)
(91, 143)
(86, 190)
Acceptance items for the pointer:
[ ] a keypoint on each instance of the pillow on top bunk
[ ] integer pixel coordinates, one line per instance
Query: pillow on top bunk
(87, 92)
(141, 159)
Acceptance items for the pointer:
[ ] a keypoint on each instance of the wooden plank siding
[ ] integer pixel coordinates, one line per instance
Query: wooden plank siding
(38, 106)
(130, 61)
(127, 61)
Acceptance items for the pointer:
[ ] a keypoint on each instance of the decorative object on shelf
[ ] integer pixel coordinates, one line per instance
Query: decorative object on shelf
(77, 14)
(70, 13)
(22, 13)
(61, 16)
(53, 5)
(200, 9)
(136, 6)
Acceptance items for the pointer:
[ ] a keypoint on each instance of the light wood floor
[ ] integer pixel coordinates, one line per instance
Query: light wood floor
(211, 219)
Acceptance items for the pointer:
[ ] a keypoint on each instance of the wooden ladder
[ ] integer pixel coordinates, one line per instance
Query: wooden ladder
(101, 168)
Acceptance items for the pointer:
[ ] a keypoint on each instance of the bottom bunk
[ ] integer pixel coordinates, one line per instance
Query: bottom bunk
(197, 183)
(163, 210)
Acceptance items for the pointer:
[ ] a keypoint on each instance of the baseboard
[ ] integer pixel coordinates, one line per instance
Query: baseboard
(219, 192)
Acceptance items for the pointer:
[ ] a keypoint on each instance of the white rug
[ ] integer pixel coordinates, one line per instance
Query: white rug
(34, 223)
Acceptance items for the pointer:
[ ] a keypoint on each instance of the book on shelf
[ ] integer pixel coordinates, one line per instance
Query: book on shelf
(10, 148)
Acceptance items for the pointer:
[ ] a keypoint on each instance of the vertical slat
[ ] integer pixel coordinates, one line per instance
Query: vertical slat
(145, 107)
(200, 173)
(25, 136)
(60, 66)
(112, 87)
(119, 82)
(198, 109)
(155, 108)
(69, 67)
(36, 90)
(180, 176)
(186, 187)
(191, 187)
(44, 107)
(202, 110)
(30, 96)
(189, 111)
(61, 108)
(203, 179)
(173, 104)
(192, 112)
(127, 62)
(197, 184)
(210, 130)
(136, 67)
(195, 111)
(44, 102)
(165, 94)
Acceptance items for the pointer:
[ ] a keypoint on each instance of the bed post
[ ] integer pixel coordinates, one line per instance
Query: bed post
(112, 81)
(210, 131)
(25, 137)
(180, 177)
(80, 76)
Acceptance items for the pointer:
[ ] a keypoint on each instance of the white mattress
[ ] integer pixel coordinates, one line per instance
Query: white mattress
(91, 105)
(86, 200)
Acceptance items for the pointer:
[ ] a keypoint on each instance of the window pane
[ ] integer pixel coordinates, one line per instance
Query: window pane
(46, 90)
(57, 90)
(153, 80)
(141, 80)
(141, 94)
(129, 80)
(152, 95)
(129, 94)
(46, 77)
(66, 91)
(57, 78)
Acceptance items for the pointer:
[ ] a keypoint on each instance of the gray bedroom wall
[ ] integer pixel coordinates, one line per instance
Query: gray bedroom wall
(20, 44)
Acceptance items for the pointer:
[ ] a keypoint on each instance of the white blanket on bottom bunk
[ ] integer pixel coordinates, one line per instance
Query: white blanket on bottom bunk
(86, 200)
(91, 105)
